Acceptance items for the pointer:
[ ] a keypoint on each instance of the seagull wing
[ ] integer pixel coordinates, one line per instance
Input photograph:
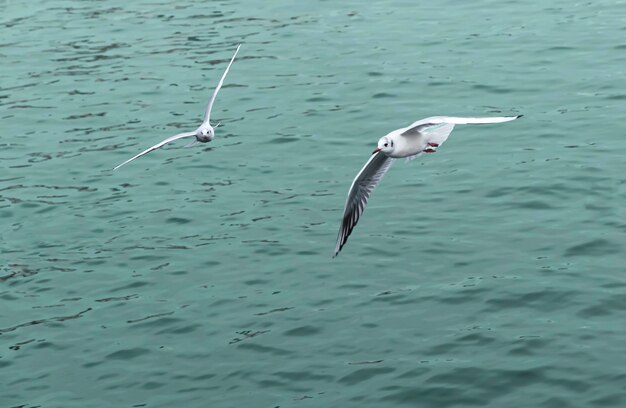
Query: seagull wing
(360, 190)
(438, 128)
(156, 146)
(437, 121)
(207, 114)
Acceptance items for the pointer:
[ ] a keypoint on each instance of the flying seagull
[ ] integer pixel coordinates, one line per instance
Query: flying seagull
(423, 136)
(204, 133)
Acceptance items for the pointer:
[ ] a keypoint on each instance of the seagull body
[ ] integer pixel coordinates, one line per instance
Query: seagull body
(204, 133)
(423, 136)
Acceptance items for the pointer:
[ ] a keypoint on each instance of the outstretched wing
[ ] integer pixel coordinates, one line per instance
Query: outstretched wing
(360, 190)
(438, 128)
(207, 113)
(437, 121)
(156, 146)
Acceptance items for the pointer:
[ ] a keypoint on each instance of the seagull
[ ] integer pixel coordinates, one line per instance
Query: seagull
(423, 136)
(204, 133)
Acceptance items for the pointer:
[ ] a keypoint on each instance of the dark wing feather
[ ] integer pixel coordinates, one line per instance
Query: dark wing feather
(360, 190)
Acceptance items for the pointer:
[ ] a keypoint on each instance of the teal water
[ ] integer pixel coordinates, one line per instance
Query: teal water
(489, 274)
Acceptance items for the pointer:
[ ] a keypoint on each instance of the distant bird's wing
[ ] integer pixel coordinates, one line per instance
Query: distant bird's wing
(207, 113)
(156, 146)
(360, 190)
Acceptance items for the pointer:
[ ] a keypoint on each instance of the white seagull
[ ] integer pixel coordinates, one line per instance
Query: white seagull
(204, 133)
(423, 136)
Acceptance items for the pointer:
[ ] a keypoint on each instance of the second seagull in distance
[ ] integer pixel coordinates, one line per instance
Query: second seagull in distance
(204, 133)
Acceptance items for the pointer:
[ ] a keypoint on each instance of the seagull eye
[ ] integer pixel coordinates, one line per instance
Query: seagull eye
(386, 144)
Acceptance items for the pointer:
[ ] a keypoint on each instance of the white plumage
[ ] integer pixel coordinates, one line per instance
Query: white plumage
(204, 133)
(423, 136)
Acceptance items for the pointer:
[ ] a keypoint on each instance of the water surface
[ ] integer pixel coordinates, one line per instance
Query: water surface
(489, 274)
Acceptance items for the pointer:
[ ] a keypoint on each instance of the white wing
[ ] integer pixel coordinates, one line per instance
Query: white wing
(468, 121)
(207, 114)
(424, 124)
(360, 190)
(438, 128)
(156, 146)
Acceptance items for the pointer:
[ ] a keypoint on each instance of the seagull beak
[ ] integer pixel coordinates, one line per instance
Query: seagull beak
(377, 150)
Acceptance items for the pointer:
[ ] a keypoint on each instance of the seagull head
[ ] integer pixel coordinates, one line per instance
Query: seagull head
(205, 134)
(385, 145)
